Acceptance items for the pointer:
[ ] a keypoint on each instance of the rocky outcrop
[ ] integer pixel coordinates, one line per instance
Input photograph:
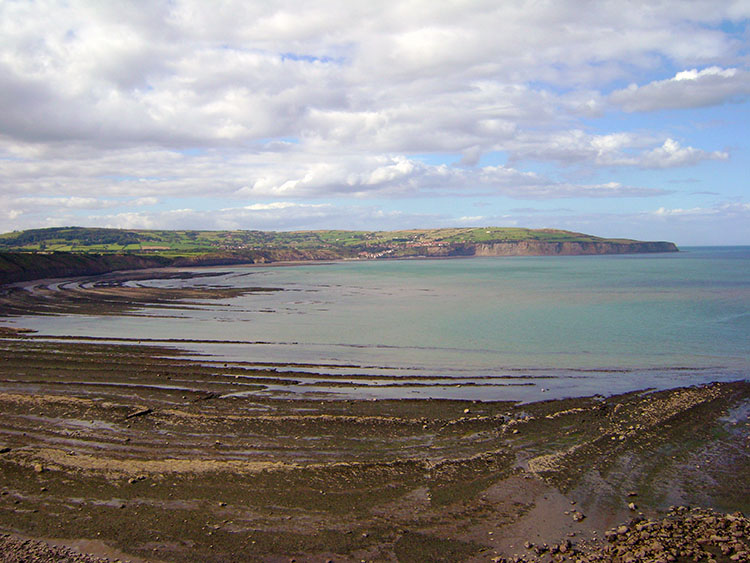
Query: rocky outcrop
(543, 248)
(685, 534)
(18, 548)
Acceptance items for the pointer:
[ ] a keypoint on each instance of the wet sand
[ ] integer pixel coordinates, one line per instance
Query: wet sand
(126, 451)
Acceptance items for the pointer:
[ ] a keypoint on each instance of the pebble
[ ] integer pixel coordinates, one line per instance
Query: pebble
(685, 534)
(691, 534)
(14, 548)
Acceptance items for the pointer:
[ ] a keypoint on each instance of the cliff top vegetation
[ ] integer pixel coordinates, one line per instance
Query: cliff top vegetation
(187, 242)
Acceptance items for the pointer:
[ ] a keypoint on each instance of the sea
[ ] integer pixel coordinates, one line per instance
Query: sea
(496, 328)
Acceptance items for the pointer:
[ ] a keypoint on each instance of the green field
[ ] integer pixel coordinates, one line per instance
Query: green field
(182, 243)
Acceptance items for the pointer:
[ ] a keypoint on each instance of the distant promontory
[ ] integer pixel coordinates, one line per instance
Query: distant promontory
(77, 251)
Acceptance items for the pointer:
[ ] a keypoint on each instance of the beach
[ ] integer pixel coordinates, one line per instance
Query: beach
(123, 453)
(140, 448)
(374, 282)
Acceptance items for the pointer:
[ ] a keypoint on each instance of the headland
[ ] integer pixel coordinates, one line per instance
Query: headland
(76, 251)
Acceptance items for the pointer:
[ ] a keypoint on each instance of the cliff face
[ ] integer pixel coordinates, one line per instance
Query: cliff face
(15, 267)
(536, 248)
(540, 248)
(19, 266)
(255, 257)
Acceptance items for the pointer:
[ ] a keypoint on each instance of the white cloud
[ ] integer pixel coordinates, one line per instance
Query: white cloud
(145, 201)
(565, 190)
(710, 71)
(278, 186)
(671, 154)
(732, 209)
(622, 149)
(471, 220)
(73, 202)
(136, 105)
(687, 89)
(718, 224)
(282, 217)
(401, 177)
(664, 212)
(276, 205)
(186, 73)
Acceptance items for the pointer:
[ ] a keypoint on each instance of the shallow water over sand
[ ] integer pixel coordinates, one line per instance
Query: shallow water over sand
(514, 328)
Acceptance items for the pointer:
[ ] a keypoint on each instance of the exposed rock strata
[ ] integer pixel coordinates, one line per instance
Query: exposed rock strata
(541, 248)
(15, 267)
(212, 475)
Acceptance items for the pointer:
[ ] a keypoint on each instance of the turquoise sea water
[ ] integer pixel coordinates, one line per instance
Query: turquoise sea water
(515, 328)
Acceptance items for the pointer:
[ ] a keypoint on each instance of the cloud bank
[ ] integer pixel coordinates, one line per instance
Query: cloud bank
(193, 110)
(687, 89)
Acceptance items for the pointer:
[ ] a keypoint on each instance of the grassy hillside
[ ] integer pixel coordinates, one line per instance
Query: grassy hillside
(76, 251)
(181, 243)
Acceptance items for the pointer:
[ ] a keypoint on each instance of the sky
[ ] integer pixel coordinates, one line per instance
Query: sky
(614, 118)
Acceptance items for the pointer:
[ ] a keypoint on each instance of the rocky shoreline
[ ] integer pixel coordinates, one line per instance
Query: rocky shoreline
(16, 549)
(126, 450)
(684, 534)
(131, 448)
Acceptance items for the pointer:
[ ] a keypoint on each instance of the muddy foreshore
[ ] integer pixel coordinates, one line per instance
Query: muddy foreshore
(126, 451)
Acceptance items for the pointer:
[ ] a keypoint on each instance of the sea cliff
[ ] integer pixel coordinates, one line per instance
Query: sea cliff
(77, 251)
(543, 248)
(23, 266)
